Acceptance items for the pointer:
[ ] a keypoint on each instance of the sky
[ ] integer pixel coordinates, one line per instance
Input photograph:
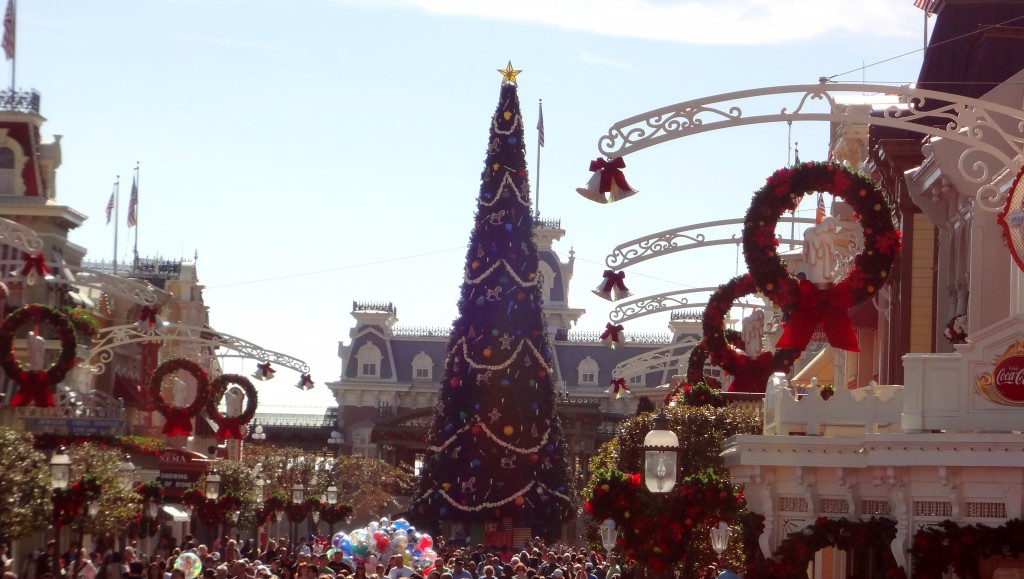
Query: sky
(316, 152)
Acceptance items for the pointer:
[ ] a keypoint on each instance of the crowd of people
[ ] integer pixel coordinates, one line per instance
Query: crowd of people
(311, 559)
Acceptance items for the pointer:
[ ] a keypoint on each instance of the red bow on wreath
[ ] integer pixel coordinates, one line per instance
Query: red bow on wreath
(263, 372)
(34, 267)
(229, 428)
(612, 335)
(178, 422)
(612, 288)
(33, 388)
(821, 307)
(618, 388)
(751, 374)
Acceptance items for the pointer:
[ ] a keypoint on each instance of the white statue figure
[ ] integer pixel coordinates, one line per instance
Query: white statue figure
(36, 351)
(753, 332)
(233, 401)
(820, 251)
(178, 391)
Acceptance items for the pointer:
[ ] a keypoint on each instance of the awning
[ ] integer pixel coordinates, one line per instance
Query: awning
(821, 367)
(176, 514)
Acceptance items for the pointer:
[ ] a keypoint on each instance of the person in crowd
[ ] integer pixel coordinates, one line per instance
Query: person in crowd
(48, 563)
(459, 571)
(398, 568)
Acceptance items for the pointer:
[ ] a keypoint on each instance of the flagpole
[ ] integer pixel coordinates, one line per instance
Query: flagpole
(14, 42)
(117, 209)
(135, 251)
(536, 209)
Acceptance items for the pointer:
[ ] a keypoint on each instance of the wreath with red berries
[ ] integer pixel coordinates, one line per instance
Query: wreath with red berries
(805, 305)
(35, 386)
(179, 419)
(750, 373)
(231, 426)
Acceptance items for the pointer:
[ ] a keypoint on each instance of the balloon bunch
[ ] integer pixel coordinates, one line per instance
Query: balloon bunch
(380, 540)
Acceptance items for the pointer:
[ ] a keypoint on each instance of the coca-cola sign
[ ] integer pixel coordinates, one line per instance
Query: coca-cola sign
(1009, 378)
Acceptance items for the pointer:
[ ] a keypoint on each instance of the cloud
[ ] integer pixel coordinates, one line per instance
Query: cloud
(708, 22)
(590, 58)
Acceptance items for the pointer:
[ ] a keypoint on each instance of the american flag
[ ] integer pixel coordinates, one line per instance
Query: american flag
(925, 5)
(110, 207)
(819, 211)
(133, 205)
(540, 126)
(9, 31)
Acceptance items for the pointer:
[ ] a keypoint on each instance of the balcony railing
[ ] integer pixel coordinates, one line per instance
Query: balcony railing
(19, 101)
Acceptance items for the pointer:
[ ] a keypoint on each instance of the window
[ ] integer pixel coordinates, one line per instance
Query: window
(634, 380)
(588, 371)
(362, 443)
(422, 367)
(6, 171)
(369, 361)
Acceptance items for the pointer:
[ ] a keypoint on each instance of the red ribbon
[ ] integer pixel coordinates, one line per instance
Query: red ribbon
(619, 387)
(751, 374)
(148, 314)
(611, 170)
(33, 389)
(613, 280)
(825, 307)
(35, 263)
(612, 333)
(264, 371)
(304, 380)
(178, 422)
(229, 428)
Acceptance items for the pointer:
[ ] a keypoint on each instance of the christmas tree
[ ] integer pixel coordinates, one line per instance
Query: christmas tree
(496, 444)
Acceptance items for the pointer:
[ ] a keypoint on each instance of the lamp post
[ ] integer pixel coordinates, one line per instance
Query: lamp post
(60, 469)
(720, 538)
(298, 493)
(127, 471)
(331, 498)
(609, 532)
(212, 491)
(661, 449)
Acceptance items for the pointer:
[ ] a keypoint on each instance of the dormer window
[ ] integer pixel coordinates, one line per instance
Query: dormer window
(422, 367)
(588, 370)
(368, 357)
(7, 177)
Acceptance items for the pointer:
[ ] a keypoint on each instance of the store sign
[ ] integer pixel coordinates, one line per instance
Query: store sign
(1011, 219)
(75, 426)
(179, 471)
(1005, 384)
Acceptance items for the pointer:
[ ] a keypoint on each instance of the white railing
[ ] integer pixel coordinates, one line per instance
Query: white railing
(792, 409)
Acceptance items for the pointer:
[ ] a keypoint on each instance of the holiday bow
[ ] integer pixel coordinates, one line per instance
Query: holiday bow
(305, 382)
(178, 422)
(611, 171)
(825, 307)
(34, 267)
(612, 334)
(147, 315)
(263, 372)
(612, 282)
(33, 388)
(618, 388)
(229, 428)
(751, 374)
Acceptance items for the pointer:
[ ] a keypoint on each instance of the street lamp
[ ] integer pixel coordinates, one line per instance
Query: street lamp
(93, 508)
(609, 532)
(661, 447)
(258, 434)
(332, 495)
(259, 483)
(60, 469)
(298, 492)
(213, 486)
(720, 537)
(127, 471)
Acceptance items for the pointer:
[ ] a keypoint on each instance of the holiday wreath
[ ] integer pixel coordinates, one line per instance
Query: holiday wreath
(35, 386)
(179, 419)
(231, 426)
(807, 305)
(751, 372)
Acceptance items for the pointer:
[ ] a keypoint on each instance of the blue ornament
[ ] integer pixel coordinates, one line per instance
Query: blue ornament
(508, 227)
(480, 301)
(534, 406)
(505, 382)
(444, 511)
(511, 139)
(476, 407)
(448, 429)
(475, 463)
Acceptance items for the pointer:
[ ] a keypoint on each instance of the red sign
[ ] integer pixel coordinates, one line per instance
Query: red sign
(1008, 378)
(180, 471)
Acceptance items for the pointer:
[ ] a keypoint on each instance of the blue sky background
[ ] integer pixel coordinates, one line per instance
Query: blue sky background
(314, 152)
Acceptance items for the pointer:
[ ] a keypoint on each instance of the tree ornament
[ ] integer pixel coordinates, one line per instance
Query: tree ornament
(35, 383)
(807, 304)
(178, 420)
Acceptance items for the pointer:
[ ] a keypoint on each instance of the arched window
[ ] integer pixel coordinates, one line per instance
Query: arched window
(422, 367)
(6, 171)
(369, 358)
(588, 371)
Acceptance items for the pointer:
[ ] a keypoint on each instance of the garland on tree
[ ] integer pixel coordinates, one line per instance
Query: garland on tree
(36, 386)
(935, 548)
(750, 373)
(126, 443)
(656, 530)
(210, 511)
(334, 514)
(790, 560)
(70, 503)
(179, 419)
(231, 426)
(805, 305)
(271, 507)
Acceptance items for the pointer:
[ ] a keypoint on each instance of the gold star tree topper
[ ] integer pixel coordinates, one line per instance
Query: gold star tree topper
(508, 74)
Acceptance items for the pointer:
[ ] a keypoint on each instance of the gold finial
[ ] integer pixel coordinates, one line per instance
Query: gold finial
(508, 74)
